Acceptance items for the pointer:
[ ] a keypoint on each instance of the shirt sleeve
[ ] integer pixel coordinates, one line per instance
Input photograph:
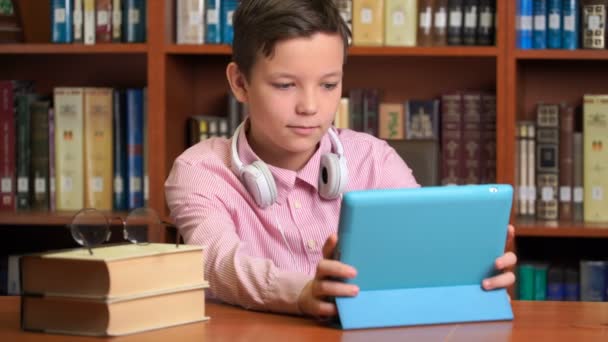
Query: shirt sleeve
(233, 274)
(393, 172)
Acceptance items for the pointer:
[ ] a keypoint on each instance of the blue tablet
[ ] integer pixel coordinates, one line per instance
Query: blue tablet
(421, 254)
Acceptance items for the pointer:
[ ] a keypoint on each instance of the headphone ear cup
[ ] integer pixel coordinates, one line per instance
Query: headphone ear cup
(333, 176)
(260, 183)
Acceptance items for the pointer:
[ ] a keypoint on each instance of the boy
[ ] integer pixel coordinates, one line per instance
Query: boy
(266, 203)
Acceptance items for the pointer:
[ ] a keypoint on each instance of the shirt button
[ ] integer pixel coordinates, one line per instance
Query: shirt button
(312, 244)
(297, 204)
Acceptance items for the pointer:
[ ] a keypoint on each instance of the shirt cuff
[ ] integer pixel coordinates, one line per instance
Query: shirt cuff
(283, 291)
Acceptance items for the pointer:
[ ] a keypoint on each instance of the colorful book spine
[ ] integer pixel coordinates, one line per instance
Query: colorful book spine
(39, 180)
(135, 168)
(103, 21)
(61, 21)
(228, 8)
(525, 281)
(69, 151)
(78, 21)
(539, 28)
(525, 13)
(134, 21)
(595, 128)
(554, 24)
(213, 23)
(540, 282)
(570, 24)
(98, 148)
(7, 147)
(391, 121)
(120, 150)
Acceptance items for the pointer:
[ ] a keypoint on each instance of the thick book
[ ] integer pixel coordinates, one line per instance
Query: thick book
(61, 21)
(78, 316)
(455, 22)
(98, 148)
(69, 148)
(440, 23)
(539, 25)
(189, 21)
(547, 161)
(23, 98)
(488, 138)
(40, 138)
(213, 34)
(524, 22)
(368, 22)
(228, 8)
(471, 137)
(486, 23)
(554, 24)
(470, 22)
(400, 22)
(595, 177)
(103, 21)
(570, 24)
(109, 273)
(425, 22)
(593, 14)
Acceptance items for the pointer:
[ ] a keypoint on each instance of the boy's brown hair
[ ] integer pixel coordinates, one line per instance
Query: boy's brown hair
(260, 24)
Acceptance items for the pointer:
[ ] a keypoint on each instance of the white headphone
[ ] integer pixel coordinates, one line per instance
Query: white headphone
(258, 179)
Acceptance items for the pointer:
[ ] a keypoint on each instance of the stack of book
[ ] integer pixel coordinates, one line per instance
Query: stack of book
(118, 290)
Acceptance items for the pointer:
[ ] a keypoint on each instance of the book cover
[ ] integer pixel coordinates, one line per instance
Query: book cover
(69, 148)
(135, 167)
(134, 21)
(117, 21)
(190, 24)
(7, 148)
(593, 280)
(455, 22)
(103, 21)
(570, 24)
(595, 176)
(213, 22)
(78, 21)
(61, 21)
(368, 22)
(98, 148)
(391, 121)
(594, 24)
(485, 26)
(539, 28)
(227, 8)
(425, 22)
(554, 24)
(102, 275)
(76, 316)
(547, 161)
(89, 22)
(452, 166)
(421, 119)
(440, 23)
(471, 15)
(400, 22)
(39, 180)
(525, 26)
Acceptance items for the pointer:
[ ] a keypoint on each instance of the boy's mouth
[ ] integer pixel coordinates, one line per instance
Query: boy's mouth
(303, 130)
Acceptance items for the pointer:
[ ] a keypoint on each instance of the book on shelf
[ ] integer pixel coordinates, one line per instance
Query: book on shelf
(455, 22)
(103, 21)
(593, 13)
(547, 161)
(213, 29)
(400, 22)
(11, 29)
(368, 22)
(189, 22)
(595, 174)
(117, 290)
(440, 23)
(391, 121)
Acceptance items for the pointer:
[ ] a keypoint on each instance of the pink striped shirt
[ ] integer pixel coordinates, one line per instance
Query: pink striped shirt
(247, 261)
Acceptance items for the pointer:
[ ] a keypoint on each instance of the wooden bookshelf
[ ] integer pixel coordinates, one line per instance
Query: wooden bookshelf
(184, 80)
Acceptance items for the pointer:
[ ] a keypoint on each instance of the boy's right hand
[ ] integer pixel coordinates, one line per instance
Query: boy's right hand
(313, 299)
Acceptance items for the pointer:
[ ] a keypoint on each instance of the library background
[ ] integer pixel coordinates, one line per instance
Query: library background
(100, 96)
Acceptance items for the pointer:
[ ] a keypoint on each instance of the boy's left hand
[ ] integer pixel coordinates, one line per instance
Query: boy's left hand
(503, 263)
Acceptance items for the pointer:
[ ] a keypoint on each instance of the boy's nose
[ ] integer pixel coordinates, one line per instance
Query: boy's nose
(307, 103)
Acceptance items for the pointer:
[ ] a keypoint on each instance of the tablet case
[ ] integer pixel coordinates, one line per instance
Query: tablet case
(421, 255)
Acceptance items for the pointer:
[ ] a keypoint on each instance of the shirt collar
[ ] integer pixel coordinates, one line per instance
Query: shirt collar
(285, 179)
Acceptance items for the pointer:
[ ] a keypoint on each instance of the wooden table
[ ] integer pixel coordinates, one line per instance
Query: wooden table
(534, 321)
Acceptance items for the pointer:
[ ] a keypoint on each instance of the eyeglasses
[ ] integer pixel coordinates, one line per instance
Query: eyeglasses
(91, 228)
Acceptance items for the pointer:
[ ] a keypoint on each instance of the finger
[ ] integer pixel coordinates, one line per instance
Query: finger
(328, 288)
(502, 280)
(510, 233)
(507, 260)
(334, 269)
(323, 308)
(329, 246)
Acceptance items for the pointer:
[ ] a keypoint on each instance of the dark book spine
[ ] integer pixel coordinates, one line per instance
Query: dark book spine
(455, 22)
(471, 15)
(577, 188)
(547, 161)
(566, 162)
(52, 198)
(485, 24)
(488, 138)
(7, 147)
(135, 167)
(134, 21)
(78, 21)
(451, 139)
(103, 22)
(539, 26)
(371, 103)
(61, 21)
(440, 23)
(471, 137)
(117, 19)
(22, 104)
(120, 150)
(425, 22)
(39, 181)
(356, 109)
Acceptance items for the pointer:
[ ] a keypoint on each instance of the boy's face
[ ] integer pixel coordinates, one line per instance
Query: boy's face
(292, 97)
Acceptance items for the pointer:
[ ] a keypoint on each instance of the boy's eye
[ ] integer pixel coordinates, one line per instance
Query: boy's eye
(330, 86)
(282, 85)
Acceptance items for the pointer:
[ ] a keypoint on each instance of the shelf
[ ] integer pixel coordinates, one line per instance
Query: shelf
(72, 48)
(580, 54)
(453, 51)
(44, 218)
(560, 229)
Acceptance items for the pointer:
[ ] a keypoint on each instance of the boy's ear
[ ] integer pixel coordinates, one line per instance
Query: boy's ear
(237, 82)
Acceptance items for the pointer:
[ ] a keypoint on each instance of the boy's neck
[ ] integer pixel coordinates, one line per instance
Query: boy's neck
(274, 157)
